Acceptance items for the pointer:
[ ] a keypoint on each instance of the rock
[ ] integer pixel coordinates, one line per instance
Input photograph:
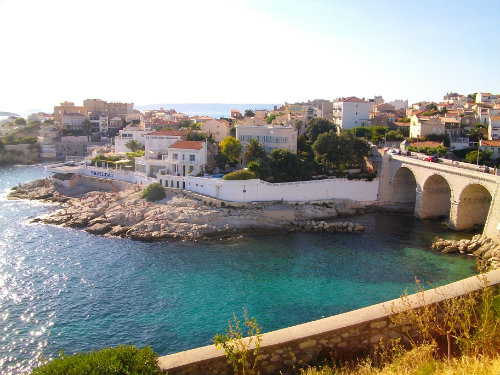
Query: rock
(450, 249)
(99, 228)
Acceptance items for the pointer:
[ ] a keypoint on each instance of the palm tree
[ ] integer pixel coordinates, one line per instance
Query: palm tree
(254, 151)
(133, 145)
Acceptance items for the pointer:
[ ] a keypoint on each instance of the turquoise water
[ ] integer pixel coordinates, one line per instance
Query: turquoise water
(65, 289)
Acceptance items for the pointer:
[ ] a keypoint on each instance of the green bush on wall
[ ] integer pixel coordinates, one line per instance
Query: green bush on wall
(122, 360)
(243, 174)
(153, 192)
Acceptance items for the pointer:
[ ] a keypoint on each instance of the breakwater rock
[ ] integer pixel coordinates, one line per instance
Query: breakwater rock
(323, 226)
(483, 248)
(124, 213)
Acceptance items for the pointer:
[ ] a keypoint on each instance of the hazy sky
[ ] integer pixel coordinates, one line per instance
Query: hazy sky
(244, 51)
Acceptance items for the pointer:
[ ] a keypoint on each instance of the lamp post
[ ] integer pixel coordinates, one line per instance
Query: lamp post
(478, 144)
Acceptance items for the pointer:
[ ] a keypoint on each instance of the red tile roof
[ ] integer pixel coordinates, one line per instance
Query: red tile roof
(179, 133)
(192, 145)
(491, 143)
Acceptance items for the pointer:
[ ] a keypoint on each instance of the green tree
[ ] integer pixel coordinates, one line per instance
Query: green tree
(318, 126)
(231, 148)
(378, 133)
(20, 121)
(476, 133)
(286, 165)
(232, 132)
(298, 124)
(333, 151)
(270, 118)
(394, 135)
(249, 113)
(185, 123)
(134, 145)
(484, 157)
(362, 132)
(262, 168)
(254, 151)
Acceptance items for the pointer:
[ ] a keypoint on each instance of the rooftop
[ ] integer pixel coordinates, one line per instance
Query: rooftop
(191, 145)
(491, 143)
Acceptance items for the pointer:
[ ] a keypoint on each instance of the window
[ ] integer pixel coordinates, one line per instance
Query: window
(191, 157)
(175, 156)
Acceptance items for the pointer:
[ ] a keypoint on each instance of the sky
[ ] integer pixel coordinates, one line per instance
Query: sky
(244, 51)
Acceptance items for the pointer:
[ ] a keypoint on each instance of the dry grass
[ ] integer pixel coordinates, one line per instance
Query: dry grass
(417, 361)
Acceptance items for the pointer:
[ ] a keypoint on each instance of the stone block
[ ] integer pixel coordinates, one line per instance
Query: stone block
(378, 325)
(308, 344)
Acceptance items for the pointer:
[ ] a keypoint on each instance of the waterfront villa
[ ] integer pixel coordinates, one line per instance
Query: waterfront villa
(168, 152)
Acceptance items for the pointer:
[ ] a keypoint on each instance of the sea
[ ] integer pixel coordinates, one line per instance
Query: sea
(63, 289)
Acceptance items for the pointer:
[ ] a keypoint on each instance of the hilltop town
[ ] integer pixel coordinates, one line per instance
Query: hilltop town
(458, 127)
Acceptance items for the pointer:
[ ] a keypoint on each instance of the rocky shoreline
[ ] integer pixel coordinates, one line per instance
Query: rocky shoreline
(486, 251)
(123, 213)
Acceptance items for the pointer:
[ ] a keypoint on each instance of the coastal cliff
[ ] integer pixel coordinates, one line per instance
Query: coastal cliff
(110, 211)
(19, 154)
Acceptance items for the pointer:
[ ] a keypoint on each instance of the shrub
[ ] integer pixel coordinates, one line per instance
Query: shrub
(243, 174)
(153, 192)
(124, 359)
(238, 349)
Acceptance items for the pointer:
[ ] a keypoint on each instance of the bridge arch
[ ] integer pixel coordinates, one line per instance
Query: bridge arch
(404, 187)
(435, 199)
(472, 207)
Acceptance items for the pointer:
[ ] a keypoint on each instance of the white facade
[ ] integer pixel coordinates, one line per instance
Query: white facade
(129, 133)
(258, 190)
(494, 127)
(158, 142)
(349, 112)
(186, 157)
(270, 137)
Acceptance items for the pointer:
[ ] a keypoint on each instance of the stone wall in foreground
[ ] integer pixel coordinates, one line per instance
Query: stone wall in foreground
(344, 336)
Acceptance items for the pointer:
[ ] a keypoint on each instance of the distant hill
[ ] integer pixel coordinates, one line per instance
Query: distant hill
(7, 114)
(210, 109)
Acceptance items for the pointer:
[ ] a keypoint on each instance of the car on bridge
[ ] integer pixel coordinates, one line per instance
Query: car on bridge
(433, 159)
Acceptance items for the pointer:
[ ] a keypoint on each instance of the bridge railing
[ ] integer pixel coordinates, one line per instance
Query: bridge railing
(447, 163)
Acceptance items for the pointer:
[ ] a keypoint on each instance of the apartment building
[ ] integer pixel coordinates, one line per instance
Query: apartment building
(110, 109)
(349, 112)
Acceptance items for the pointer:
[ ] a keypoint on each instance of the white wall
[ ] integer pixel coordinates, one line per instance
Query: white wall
(257, 190)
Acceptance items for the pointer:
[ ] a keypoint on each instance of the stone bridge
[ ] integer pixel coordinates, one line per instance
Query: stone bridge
(468, 198)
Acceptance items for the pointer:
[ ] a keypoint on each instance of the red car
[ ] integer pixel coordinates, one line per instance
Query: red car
(433, 158)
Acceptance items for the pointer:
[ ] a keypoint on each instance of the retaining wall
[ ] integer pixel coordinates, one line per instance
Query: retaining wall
(345, 336)
(260, 191)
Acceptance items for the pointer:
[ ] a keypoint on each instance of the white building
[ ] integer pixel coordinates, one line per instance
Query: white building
(349, 112)
(494, 127)
(486, 97)
(189, 157)
(158, 142)
(131, 132)
(270, 137)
